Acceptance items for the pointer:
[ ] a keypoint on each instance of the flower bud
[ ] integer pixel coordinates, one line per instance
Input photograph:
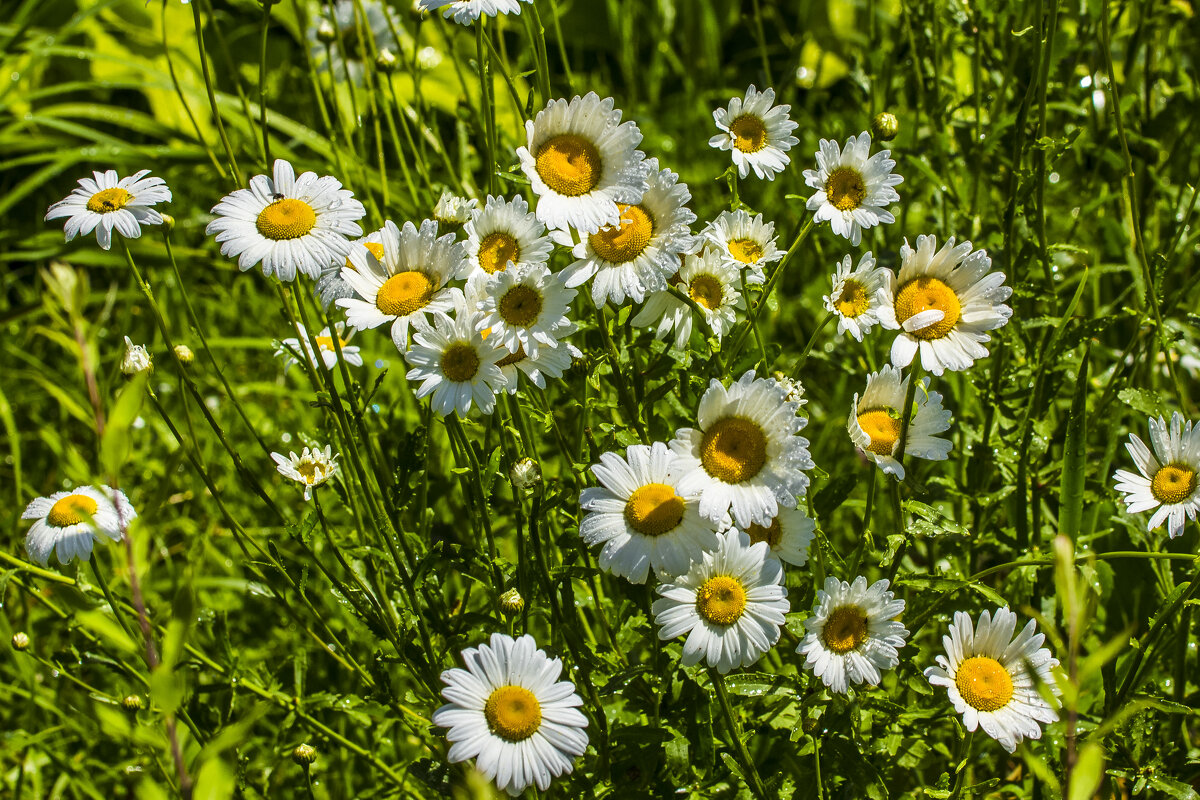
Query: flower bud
(511, 603)
(326, 33)
(168, 222)
(452, 211)
(184, 354)
(525, 473)
(20, 641)
(136, 359)
(304, 754)
(885, 126)
(386, 62)
(132, 703)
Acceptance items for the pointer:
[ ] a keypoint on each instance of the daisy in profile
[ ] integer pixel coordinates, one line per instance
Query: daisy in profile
(330, 286)
(993, 678)
(525, 307)
(665, 313)
(105, 201)
(505, 232)
(876, 420)
(581, 161)
(854, 188)
(453, 363)
(407, 283)
(757, 133)
(747, 455)
(290, 349)
(339, 24)
(853, 633)
(745, 241)
(1166, 479)
(858, 295)
(731, 604)
(640, 517)
(509, 711)
(310, 469)
(943, 303)
(70, 522)
(290, 225)
(787, 536)
(550, 362)
(464, 12)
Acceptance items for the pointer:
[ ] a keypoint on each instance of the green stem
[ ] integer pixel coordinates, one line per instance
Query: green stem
(487, 106)
(212, 96)
(743, 755)
(262, 83)
(960, 765)
(116, 609)
(812, 340)
(756, 311)
(537, 35)
(623, 393)
(23, 566)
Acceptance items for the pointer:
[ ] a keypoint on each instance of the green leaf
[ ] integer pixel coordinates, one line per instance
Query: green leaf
(115, 445)
(1088, 772)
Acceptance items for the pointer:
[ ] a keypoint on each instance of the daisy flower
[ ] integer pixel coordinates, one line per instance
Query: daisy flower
(853, 187)
(407, 283)
(377, 23)
(858, 295)
(992, 678)
(731, 604)
(747, 455)
(331, 286)
(550, 362)
(712, 283)
(454, 364)
(639, 253)
(288, 224)
(757, 133)
(505, 232)
(875, 421)
(510, 712)
(1168, 475)
(640, 517)
(464, 12)
(311, 468)
(943, 303)
(745, 241)
(853, 633)
(136, 359)
(525, 307)
(793, 389)
(788, 535)
(69, 522)
(452, 211)
(581, 161)
(290, 349)
(106, 202)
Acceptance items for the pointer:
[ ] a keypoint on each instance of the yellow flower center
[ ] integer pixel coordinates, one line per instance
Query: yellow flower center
(326, 343)
(706, 290)
(984, 683)
(513, 713)
(927, 293)
(310, 471)
(654, 509)
(746, 251)
(845, 629)
(771, 534)
(460, 362)
(1173, 483)
(374, 248)
(288, 218)
(749, 133)
(520, 306)
(71, 510)
(404, 293)
(619, 244)
(853, 301)
(733, 449)
(496, 250)
(845, 188)
(569, 164)
(512, 358)
(721, 600)
(883, 426)
(108, 200)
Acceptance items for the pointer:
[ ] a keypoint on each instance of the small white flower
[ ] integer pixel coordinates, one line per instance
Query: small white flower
(106, 202)
(1167, 477)
(757, 133)
(135, 360)
(712, 283)
(70, 522)
(290, 348)
(793, 389)
(505, 232)
(311, 468)
(454, 364)
(525, 473)
(788, 535)
(876, 420)
(858, 295)
(853, 633)
(453, 211)
(464, 12)
(525, 308)
(746, 241)
(853, 187)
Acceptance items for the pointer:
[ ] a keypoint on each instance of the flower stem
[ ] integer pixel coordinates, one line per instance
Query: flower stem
(212, 96)
(743, 755)
(756, 311)
(960, 765)
(262, 82)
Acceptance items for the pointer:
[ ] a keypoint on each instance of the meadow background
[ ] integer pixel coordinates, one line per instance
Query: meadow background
(1059, 136)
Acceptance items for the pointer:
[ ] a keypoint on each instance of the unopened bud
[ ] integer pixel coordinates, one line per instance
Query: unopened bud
(511, 603)
(304, 754)
(885, 126)
(326, 33)
(525, 473)
(386, 62)
(184, 354)
(136, 359)
(20, 641)
(168, 222)
(453, 211)
(132, 702)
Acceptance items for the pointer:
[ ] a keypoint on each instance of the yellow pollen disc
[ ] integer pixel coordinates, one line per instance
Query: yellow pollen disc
(923, 294)
(883, 428)
(845, 629)
(326, 343)
(513, 713)
(71, 510)
(654, 509)
(309, 470)
(853, 301)
(619, 244)
(460, 362)
(520, 306)
(1173, 483)
(496, 250)
(106, 200)
(771, 534)
(288, 218)
(706, 290)
(512, 358)
(733, 449)
(569, 164)
(846, 188)
(404, 293)
(746, 251)
(749, 133)
(721, 600)
(374, 248)
(984, 683)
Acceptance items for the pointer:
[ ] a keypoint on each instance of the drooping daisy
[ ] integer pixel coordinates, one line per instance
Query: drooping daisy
(525, 307)
(509, 711)
(853, 633)
(1168, 475)
(745, 241)
(331, 286)
(666, 313)
(69, 522)
(943, 303)
(876, 420)
(731, 604)
(788, 535)
(349, 50)
(853, 187)
(106, 202)
(407, 283)
(641, 519)
(993, 678)
(464, 12)
(452, 211)
(581, 161)
(757, 133)
(747, 456)
(858, 295)
(551, 362)
(288, 224)
(290, 349)
(310, 469)
(454, 364)
(504, 232)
